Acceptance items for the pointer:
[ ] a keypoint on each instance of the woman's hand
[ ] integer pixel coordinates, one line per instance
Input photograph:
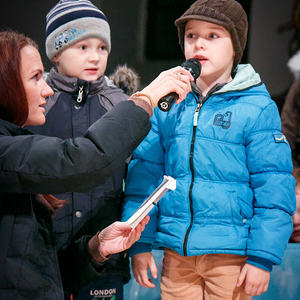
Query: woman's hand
(115, 238)
(51, 202)
(176, 80)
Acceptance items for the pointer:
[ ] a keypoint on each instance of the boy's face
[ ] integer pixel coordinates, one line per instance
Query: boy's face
(211, 44)
(86, 59)
(296, 218)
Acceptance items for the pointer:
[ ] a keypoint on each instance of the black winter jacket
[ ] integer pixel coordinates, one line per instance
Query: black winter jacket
(75, 105)
(32, 164)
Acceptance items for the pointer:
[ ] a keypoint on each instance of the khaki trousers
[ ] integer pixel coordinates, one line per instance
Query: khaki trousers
(209, 277)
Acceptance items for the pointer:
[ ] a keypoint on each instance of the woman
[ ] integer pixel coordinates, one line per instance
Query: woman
(32, 166)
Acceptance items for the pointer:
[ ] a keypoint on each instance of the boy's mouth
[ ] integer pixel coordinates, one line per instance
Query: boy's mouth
(91, 70)
(201, 58)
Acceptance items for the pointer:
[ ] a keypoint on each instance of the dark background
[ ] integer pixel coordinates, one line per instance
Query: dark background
(144, 35)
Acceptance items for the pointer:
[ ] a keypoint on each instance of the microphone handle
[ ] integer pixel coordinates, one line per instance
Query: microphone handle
(166, 102)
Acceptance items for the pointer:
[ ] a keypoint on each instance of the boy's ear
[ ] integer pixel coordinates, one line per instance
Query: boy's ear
(55, 58)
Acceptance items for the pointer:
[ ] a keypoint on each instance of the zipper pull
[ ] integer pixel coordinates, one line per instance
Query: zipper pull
(199, 105)
(80, 93)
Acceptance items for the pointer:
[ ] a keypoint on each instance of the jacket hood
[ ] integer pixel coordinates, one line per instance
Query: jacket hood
(244, 78)
(294, 65)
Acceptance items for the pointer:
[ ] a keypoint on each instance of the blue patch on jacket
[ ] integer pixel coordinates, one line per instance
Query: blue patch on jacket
(280, 138)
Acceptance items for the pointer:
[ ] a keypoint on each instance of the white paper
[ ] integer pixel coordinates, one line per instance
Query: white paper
(168, 183)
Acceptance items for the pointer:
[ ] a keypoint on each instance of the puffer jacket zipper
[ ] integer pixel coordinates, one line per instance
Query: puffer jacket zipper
(200, 103)
(195, 122)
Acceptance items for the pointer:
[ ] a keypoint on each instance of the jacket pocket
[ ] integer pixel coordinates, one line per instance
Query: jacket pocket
(241, 211)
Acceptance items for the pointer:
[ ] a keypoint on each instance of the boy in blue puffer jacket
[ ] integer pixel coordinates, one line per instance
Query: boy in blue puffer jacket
(229, 219)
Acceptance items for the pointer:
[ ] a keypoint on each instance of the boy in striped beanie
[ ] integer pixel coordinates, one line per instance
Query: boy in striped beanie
(78, 43)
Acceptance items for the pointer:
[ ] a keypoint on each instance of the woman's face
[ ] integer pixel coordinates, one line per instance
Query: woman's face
(36, 88)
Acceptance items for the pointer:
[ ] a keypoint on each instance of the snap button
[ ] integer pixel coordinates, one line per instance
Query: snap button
(78, 214)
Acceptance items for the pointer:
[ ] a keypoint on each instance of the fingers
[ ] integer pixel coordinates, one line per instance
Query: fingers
(242, 277)
(256, 280)
(253, 288)
(146, 220)
(140, 263)
(142, 278)
(174, 80)
(182, 88)
(133, 236)
(183, 71)
(182, 82)
(153, 268)
(141, 226)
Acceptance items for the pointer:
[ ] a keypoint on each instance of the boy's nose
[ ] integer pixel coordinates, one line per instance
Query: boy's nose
(200, 43)
(94, 56)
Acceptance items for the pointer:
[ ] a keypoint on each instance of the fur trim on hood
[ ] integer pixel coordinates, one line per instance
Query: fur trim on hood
(294, 65)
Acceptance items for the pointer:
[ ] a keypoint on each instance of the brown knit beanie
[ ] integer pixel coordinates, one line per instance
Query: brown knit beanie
(227, 13)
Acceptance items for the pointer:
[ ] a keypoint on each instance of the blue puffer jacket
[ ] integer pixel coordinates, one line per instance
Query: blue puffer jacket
(232, 164)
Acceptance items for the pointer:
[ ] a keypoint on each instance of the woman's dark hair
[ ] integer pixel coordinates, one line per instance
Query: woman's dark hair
(13, 101)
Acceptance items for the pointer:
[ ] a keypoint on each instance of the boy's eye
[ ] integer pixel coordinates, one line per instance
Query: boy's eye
(82, 47)
(190, 35)
(213, 36)
(103, 48)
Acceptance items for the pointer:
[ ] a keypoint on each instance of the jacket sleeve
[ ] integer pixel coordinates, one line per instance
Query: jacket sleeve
(290, 115)
(40, 164)
(145, 173)
(75, 259)
(270, 166)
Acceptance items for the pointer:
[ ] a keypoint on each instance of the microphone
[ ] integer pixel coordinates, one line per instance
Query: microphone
(194, 67)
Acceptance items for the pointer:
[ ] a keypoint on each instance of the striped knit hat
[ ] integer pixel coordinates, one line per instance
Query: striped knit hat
(70, 21)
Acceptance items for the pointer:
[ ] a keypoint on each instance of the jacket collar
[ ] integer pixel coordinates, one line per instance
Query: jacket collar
(72, 84)
(8, 128)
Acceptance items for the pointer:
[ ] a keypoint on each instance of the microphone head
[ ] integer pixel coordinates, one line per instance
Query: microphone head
(193, 66)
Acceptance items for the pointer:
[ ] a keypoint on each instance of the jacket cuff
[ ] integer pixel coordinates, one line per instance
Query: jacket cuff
(143, 104)
(259, 262)
(137, 248)
(93, 249)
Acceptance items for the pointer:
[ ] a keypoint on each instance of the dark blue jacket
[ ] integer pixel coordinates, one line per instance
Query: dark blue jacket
(75, 105)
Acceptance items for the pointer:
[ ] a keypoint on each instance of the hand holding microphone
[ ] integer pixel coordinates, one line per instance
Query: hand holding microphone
(194, 67)
(175, 83)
